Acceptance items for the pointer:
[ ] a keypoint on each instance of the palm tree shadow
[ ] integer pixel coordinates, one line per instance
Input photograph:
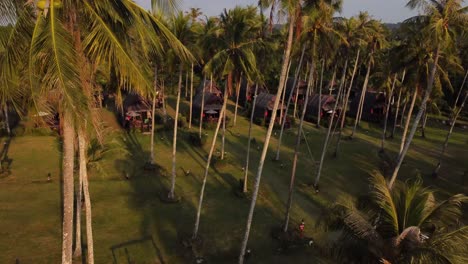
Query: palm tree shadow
(142, 243)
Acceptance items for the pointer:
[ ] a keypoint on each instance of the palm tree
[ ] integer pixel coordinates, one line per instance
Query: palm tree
(235, 56)
(284, 68)
(194, 13)
(443, 20)
(207, 167)
(373, 32)
(246, 168)
(181, 29)
(330, 125)
(456, 113)
(405, 224)
(296, 154)
(317, 28)
(57, 29)
(387, 110)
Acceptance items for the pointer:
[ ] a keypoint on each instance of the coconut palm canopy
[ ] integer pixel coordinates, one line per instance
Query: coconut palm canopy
(404, 225)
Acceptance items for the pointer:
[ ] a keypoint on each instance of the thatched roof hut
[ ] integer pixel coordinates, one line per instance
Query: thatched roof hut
(264, 107)
(211, 97)
(327, 104)
(374, 106)
(300, 92)
(247, 92)
(137, 111)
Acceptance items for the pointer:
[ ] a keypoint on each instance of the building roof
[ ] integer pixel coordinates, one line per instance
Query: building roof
(267, 101)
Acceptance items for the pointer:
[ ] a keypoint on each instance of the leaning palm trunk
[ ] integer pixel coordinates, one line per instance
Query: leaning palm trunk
(289, 102)
(345, 105)
(395, 119)
(174, 140)
(403, 111)
(283, 95)
(67, 179)
(258, 177)
(163, 91)
(186, 83)
(461, 89)
(427, 94)
(362, 99)
(246, 169)
(408, 120)
(223, 136)
(330, 125)
(296, 154)
(191, 98)
(444, 147)
(207, 168)
(398, 106)
(202, 108)
(153, 114)
(384, 133)
(85, 188)
(319, 112)
(237, 99)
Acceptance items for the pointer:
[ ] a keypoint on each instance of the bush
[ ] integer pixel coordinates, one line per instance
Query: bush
(259, 121)
(195, 140)
(182, 122)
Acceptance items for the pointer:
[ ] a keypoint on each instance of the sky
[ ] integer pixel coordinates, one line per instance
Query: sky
(389, 11)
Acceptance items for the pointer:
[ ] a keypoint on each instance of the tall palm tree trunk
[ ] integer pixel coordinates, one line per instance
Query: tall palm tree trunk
(332, 84)
(319, 112)
(283, 95)
(362, 99)
(207, 168)
(330, 125)
(237, 98)
(67, 179)
(461, 89)
(403, 111)
(191, 98)
(174, 140)
(398, 105)
(395, 119)
(246, 170)
(85, 188)
(186, 83)
(202, 107)
(223, 134)
(296, 75)
(258, 177)
(384, 133)
(87, 200)
(163, 90)
(408, 120)
(296, 154)
(427, 94)
(345, 105)
(153, 113)
(78, 196)
(444, 146)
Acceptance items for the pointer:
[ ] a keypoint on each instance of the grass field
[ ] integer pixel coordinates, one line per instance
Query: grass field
(131, 224)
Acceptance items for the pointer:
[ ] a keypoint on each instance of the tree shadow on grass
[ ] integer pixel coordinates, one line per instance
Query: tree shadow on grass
(122, 253)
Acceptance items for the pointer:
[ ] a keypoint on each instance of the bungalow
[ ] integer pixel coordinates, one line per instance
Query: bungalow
(247, 92)
(374, 107)
(327, 103)
(264, 108)
(300, 92)
(210, 98)
(137, 111)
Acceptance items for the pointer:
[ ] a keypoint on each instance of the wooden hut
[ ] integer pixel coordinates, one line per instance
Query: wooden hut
(300, 92)
(264, 108)
(327, 103)
(247, 91)
(210, 96)
(137, 112)
(374, 107)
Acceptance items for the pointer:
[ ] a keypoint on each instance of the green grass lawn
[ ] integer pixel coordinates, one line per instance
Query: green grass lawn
(132, 225)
